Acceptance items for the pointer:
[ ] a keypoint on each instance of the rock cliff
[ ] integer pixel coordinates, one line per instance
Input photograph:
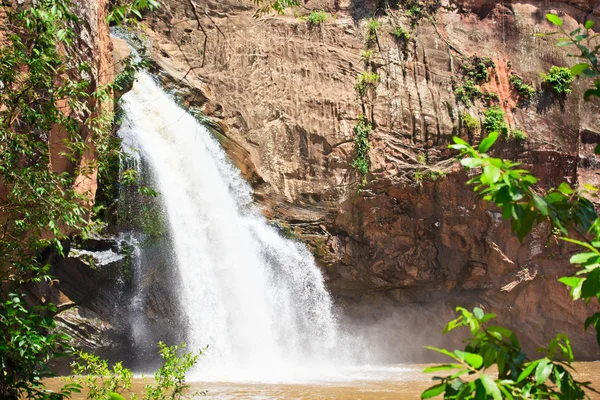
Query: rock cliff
(413, 242)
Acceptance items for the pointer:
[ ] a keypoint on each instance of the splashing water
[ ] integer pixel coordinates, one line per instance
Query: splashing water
(256, 298)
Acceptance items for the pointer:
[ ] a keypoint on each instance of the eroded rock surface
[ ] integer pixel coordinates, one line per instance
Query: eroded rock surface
(401, 252)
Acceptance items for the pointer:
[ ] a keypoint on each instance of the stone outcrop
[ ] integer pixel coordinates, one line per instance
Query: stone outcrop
(405, 249)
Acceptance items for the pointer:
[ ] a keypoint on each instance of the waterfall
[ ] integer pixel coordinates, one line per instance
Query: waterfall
(255, 298)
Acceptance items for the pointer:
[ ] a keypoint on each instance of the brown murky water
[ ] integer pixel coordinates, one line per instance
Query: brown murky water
(400, 382)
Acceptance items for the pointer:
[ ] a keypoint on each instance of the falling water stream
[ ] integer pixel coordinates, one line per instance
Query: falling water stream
(256, 298)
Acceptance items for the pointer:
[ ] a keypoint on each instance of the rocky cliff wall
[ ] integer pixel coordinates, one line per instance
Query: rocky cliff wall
(414, 241)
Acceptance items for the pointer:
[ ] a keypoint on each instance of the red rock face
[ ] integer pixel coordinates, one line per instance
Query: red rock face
(398, 254)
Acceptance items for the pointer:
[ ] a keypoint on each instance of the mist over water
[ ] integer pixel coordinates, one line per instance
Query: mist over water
(257, 299)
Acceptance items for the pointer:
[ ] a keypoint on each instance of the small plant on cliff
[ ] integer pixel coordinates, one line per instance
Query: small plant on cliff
(373, 26)
(468, 92)
(279, 6)
(519, 135)
(416, 10)
(366, 56)
(469, 122)
(491, 97)
(362, 130)
(317, 17)
(525, 90)
(558, 79)
(477, 68)
(365, 81)
(402, 37)
(401, 34)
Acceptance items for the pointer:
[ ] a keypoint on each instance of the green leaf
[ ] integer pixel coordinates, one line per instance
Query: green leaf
(589, 24)
(527, 371)
(584, 258)
(434, 391)
(571, 281)
(443, 351)
(488, 142)
(490, 387)
(478, 312)
(591, 286)
(543, 371)
(471, 162)
(565, 189)
(540, 204)
(579, 68)
(115, 396)
(442, 367)
(554, 19)
(474, 360)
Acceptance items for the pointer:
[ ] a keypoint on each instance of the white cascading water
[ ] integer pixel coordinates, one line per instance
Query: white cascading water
(256, 298)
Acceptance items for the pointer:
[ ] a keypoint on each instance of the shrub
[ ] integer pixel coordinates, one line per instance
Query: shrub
(559, 79)
(362, 130)
(495, 121)
(422, 158)
(104, 382)
(317, 17)
(365, 81)
(525, 91)
(468, 92)
(469, 122)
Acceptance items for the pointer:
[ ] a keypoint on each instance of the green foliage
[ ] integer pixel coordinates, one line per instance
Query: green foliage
(494, 347)
(418, 176)
(373, 26)
(401, 34)
(559, 79)
(491, 97)
(495, 121)
(525, 91)
(570, 212)
(362, 130)
(318, 17)
(45, 91)
(416, 10)
(129, 12)
(279, 6)
(519, 135)
(132, 65)
(469, 122)
(422, 158)
(105, 382)
(366, 56)
(468, 92)
(477, 67)
(27, 343)
(170, 378)
(585, 41)
(365, 81)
